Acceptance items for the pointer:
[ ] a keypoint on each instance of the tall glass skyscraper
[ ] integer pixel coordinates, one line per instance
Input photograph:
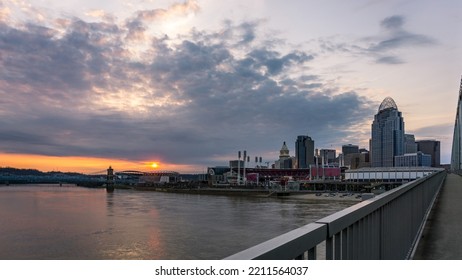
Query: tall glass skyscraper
(456, 156)
(304, 151)
(387, 134)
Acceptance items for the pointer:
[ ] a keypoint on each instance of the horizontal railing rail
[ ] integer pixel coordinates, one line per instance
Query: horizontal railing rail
(387, 226)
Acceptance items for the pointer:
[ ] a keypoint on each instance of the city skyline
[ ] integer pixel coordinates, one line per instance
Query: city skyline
(187, 84)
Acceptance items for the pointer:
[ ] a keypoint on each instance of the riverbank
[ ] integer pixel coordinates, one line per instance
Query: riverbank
(209, 191)
(260, 193)
(304, 195)
(327, 196)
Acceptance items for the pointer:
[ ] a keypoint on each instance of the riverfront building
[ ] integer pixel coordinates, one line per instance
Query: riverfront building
(387, 134)
(389, 174)
(304, 151)
(456, 156)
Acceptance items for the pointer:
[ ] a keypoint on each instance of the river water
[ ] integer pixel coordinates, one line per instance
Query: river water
(51, 222)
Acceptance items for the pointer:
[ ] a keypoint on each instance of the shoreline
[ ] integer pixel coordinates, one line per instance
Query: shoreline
(261, 193)
(325, 196)
(337, 196)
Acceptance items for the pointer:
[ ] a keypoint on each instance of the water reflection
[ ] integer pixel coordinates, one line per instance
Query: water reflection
(51, 222)
(110, 203)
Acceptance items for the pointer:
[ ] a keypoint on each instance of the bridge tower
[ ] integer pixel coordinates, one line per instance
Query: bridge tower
(456, 155)
(110, 180)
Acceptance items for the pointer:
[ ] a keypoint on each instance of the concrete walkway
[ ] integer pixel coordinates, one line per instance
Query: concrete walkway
(442, 236)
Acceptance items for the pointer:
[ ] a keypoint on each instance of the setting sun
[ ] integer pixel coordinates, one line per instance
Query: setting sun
(154, 165)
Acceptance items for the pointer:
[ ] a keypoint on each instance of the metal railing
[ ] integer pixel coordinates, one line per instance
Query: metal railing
(387, 226)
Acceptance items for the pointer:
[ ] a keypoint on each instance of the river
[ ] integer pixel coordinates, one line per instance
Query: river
(40, 222)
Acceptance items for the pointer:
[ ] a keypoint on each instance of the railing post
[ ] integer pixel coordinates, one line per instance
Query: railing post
(337, 246)
(329, 248)
(300, 257)
(345, 244)
(351, 244)
(312, 253)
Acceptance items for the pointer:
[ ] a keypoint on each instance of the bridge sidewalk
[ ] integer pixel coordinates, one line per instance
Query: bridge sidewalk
(442, 236)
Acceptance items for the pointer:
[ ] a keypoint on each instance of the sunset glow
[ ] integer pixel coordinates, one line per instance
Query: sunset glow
(86, 165)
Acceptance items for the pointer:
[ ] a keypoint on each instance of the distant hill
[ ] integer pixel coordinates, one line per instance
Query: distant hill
(34, 172)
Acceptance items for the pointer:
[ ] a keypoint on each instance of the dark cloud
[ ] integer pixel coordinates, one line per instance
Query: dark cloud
(273, 62)
(393, 22)
(385, 48)
(401, 40)
(82, 91)
(435, 132)
(26, 138)
(397, 37)
(136, 29)
(389, 60)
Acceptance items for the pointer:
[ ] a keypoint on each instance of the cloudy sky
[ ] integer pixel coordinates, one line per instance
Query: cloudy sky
(85, 84)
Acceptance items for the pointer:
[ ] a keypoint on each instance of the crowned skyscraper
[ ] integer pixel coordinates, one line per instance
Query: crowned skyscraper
(456, 156)
(387, 134)
(304, 151)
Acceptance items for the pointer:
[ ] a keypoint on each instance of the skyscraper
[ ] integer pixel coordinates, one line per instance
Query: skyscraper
(304, 151)
(348, 152)
(456, 155)
(387, 134)
(430, 147)
(350, 149)
(328, 155)
(410, 146)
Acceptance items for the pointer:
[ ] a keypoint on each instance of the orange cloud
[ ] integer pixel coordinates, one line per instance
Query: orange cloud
(4, 13)
(177, 9)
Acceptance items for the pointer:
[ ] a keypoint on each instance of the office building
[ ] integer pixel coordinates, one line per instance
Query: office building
(354, 157)
(410, 146)
(432, 148)
(358, 160)
(350, 149)
(413, 160)
(304, 151)
(328, 155)
(387, 134)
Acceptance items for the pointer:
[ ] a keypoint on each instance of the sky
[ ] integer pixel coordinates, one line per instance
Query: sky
(187, 84)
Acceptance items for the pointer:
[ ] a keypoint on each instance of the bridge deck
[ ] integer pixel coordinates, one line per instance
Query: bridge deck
(442, 238)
